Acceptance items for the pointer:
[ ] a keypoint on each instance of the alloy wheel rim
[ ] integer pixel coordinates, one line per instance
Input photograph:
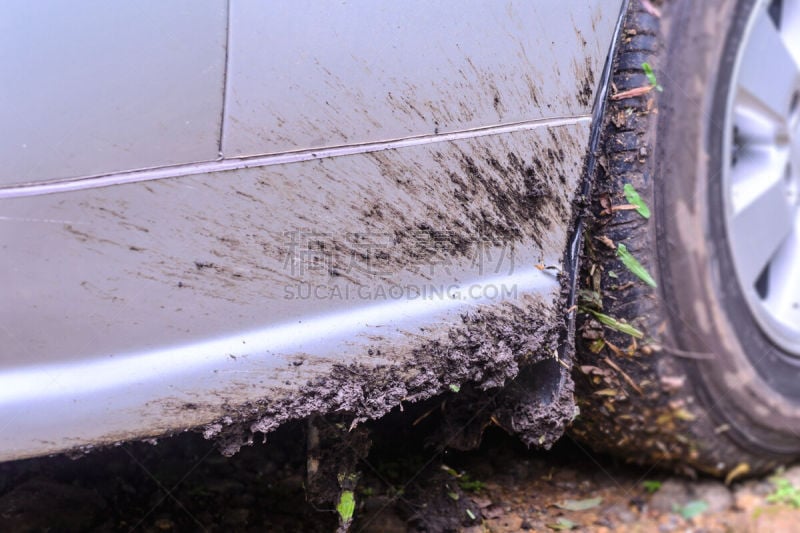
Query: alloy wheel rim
(761, 170)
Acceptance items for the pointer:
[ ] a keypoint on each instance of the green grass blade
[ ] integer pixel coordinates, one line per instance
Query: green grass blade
(346, 506)
(648, 71)
(651, 76)
(634, 199)
(632, 264)
(613, 323)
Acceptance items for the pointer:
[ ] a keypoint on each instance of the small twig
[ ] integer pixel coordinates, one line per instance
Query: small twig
(650, 8)
(423, 416)
(614, 348)
(722, 429)
(624, 207)
(605, 240)
(630, 93)
(625, 376)
(560, 362)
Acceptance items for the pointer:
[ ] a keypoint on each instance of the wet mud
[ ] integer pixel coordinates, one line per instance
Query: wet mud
(502, 358)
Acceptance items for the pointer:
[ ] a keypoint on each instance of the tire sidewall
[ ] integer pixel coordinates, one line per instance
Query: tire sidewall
(707, 310)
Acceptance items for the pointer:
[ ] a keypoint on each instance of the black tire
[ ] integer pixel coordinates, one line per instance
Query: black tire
(705, 389)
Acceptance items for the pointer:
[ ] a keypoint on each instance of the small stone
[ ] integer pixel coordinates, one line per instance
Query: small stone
(621, 514)
(482, 501)
(716, 495)
(672, 492)
(494, 511)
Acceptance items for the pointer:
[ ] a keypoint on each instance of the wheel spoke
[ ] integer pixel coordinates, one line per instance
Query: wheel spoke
(769, 72)
(762, 170)
(784, 275)
(754, 124)
(762, 215)
(758, 167)
(790, 27)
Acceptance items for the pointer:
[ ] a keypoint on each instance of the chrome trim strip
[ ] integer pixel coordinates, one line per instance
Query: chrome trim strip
(119, 178)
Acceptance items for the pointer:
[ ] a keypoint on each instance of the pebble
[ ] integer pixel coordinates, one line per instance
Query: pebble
(715, 494)
(481, 501)
(672, 492)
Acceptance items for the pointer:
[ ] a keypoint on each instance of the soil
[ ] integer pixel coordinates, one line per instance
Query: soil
(407, 482)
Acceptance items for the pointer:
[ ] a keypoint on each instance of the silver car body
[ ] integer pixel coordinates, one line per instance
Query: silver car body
(204, 207)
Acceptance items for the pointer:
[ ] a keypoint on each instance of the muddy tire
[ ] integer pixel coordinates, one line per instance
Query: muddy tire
(704, 388)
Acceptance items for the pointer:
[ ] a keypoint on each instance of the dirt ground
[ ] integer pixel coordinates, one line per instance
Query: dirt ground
(407, 483)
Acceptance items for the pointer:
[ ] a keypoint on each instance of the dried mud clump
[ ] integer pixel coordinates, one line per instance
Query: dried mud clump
(501, 357)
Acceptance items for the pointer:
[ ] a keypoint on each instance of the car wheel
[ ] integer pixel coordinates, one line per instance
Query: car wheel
(713, 380)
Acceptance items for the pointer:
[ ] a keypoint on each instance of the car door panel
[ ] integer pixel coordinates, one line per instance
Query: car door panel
(93, 87)
(308, 75)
